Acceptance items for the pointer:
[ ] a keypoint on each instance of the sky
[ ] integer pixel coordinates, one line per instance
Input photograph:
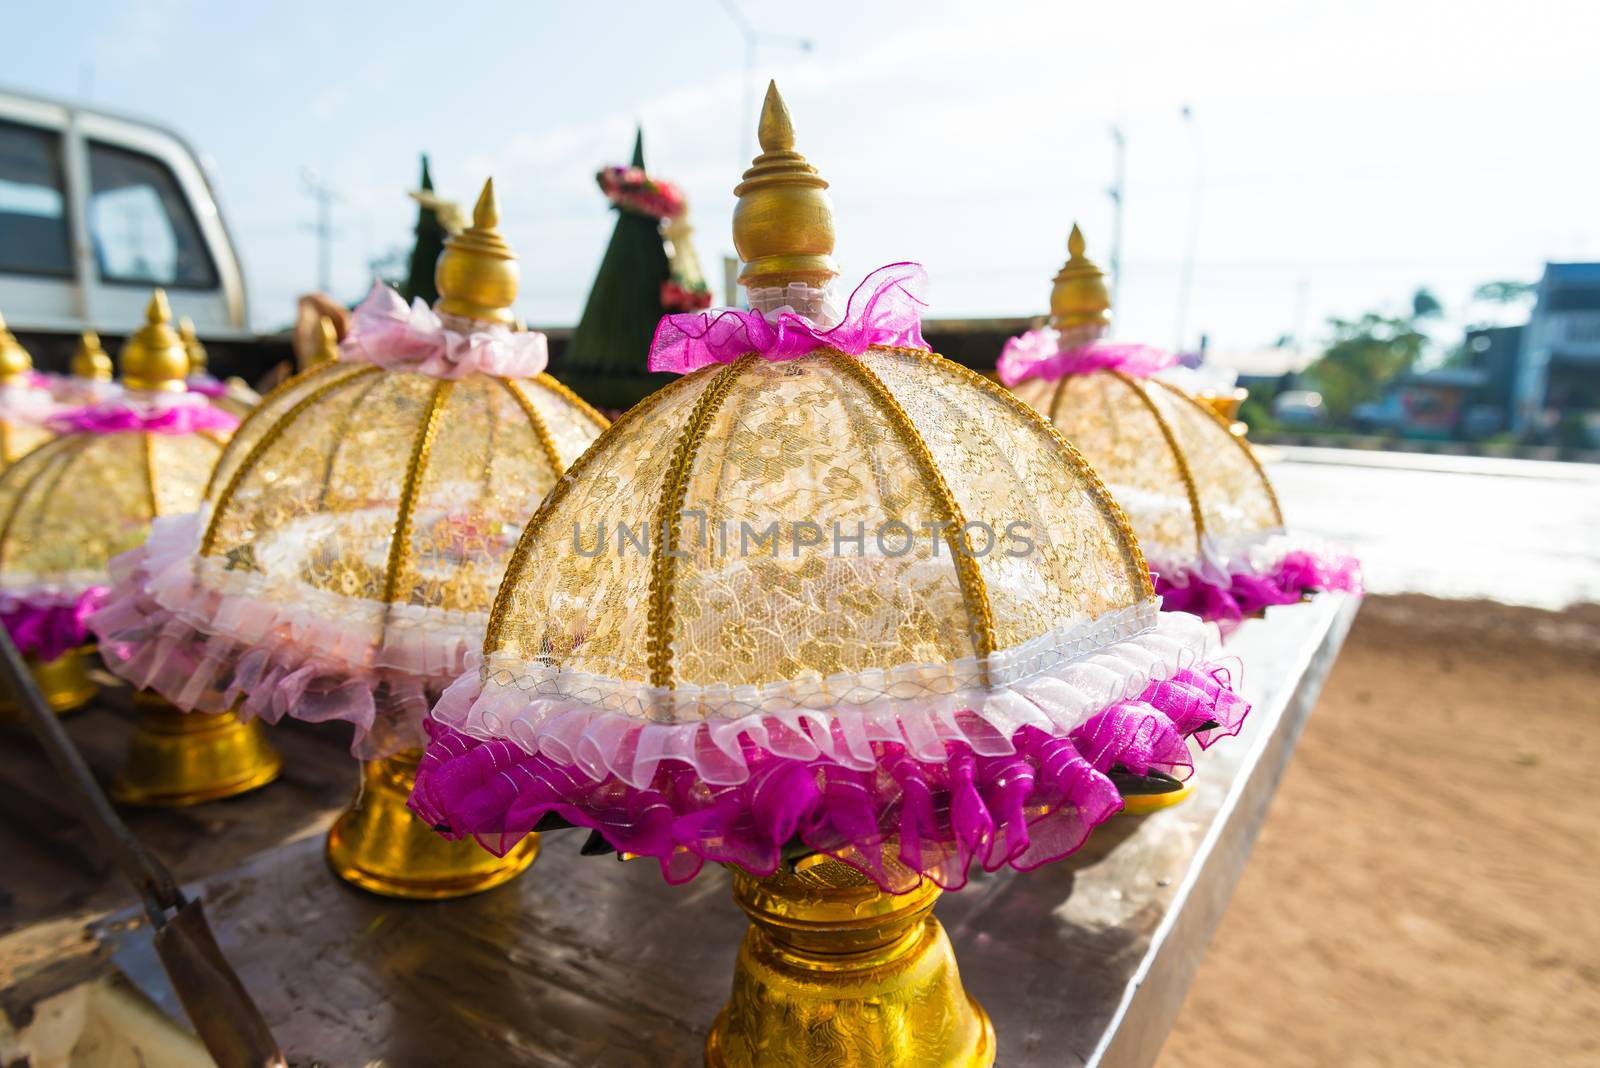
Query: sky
(1334, 157)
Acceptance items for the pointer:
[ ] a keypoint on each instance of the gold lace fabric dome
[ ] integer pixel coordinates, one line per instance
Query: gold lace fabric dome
(368, 488)
(901, 450)
(1187, 483)
(69, 506)
(23, 407)
(18, 437)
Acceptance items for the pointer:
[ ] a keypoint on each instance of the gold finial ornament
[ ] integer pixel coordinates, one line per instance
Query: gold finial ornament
(327, 343)
(91, 361)
(1079, 296)
(783, 224)
(15, 363)
(192, 346)
(155, 358)
(477, 272)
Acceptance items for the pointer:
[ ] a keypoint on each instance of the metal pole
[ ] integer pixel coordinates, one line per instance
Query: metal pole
(324, 195)
(1186, 280)
(1119, 184)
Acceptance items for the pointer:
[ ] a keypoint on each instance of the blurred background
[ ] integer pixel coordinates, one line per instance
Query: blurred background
(1378, 217)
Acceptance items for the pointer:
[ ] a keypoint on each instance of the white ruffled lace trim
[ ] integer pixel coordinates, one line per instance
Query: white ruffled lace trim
(1220, 558)
(40, 589)
(256, 609)
(1054, 683)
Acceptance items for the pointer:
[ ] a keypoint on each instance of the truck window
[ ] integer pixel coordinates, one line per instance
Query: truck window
(33, 209)
(140, 223)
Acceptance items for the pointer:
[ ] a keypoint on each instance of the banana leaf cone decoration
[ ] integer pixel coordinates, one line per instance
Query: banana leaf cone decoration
(871, 621)
(343, 560)
(1199, 501)
(73, 503)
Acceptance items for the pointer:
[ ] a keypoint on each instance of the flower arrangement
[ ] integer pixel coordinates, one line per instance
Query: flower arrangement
(630, 189)
(678, 297)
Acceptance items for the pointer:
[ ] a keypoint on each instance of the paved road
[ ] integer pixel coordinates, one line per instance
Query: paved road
(1516, 531)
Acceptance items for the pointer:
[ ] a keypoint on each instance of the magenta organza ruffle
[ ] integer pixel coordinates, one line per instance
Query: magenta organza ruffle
(47, 624)
(189, 647)
(116, 416)
(387, 333)
(1227, 599)
(885, 309)
(1038, 354)
(1023, 809)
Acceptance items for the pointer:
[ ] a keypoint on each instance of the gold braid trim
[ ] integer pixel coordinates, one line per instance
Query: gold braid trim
(272, 394)
(541, 429)
(344, 435)
(7, 457)
(1057, 395)
(553, 499)
(1177, 454)
(1249, 453)
(1139, 570)
(562, 390)
(267, 440)
(973, 591)
(150, 473)
(55, 445)
(400, 538)
(663, 569)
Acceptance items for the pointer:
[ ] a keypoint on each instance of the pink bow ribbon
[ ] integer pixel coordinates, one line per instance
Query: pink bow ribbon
(387, 333)
(885, 309)
(1038, 354)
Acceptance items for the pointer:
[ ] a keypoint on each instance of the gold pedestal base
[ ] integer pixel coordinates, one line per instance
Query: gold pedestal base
(379, 845)
(1144, 804)
(64, 682)
(183, 758)
(835, 971)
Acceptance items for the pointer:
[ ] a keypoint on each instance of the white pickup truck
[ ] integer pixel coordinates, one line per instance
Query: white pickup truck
(95, 210)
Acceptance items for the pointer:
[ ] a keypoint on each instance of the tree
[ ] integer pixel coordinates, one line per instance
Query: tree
(425, 253)
(1504, 292)
(613, 336)
(1424, 305)
(1365, 355)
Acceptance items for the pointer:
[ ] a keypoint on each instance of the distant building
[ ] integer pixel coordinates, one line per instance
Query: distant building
(1497, 352)
(1558, 370)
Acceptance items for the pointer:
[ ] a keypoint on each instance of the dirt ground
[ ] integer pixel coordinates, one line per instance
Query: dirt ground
(1426, 889)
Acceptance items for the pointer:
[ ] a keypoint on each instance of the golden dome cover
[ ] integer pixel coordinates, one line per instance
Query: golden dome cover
(24, 406)
(1202, 506)
(827, 564)
(352, 537)
(72, 504)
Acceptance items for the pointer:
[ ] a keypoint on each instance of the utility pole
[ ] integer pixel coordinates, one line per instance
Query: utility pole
(1186, 280)
(324, 195)
(753, 39)
(1119, 183)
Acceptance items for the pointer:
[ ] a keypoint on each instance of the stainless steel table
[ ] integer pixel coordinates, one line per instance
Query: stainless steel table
(587, 961)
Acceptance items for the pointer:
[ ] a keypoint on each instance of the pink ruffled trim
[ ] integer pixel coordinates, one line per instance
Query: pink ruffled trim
(33, 402)
(163, 629)
(1227, 599)
(1038, 354)
(116, 416)
(1022, 809)
(885, 309)
(387, 333)
(45, 625)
